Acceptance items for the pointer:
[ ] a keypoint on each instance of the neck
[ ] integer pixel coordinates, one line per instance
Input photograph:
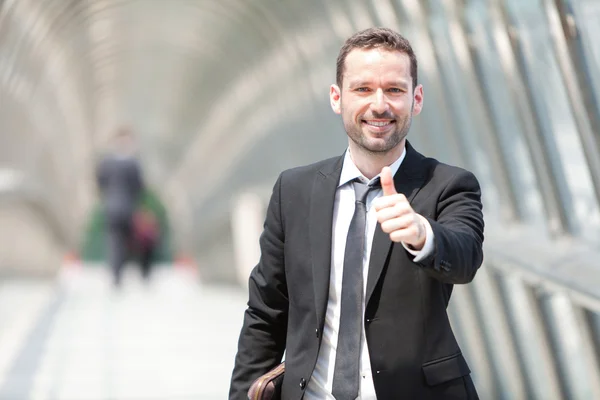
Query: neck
(369, 163)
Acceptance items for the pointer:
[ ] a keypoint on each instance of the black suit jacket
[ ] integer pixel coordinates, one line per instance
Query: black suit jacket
(121, 185)
(413, 352)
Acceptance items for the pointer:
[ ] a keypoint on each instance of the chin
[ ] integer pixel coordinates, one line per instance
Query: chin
(376, 147)
(379, 145)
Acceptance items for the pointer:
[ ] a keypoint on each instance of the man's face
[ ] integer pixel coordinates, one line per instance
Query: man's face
(376, 100)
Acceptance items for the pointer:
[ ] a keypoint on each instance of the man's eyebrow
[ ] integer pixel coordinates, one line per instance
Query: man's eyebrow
(399, 83)
(359, 83)
(402, 83)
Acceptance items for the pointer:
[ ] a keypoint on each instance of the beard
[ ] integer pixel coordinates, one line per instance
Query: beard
(378, 145)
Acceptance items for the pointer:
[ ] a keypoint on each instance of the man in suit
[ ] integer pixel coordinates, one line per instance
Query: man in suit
(421, 233)
(120, 182)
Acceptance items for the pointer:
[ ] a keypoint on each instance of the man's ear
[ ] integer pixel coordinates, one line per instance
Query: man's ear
(418, 100)
(335, 97)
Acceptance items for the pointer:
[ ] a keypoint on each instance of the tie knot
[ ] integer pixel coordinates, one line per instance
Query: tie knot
(376, 184)
(361, 190)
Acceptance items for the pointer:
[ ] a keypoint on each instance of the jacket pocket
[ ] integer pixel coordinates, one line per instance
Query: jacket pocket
(445, 369)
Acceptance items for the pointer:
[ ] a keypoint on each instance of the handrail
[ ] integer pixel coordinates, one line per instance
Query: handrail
(567, 264)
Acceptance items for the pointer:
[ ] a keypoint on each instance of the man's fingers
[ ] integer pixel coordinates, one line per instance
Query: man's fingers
(394, 211)
(389, 201)
(404, 235)
(395, 224)
(387, 182)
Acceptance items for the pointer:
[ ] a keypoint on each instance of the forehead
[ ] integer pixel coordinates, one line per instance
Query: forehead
(377, 62)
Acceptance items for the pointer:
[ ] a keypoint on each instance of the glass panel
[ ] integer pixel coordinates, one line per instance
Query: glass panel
(587, 18)
(360, 15)
(465, 124)
(568, 341)
(495, 86)
(473, 341)
(531, 338)
(384, 13)
(594, 322)
(551, 103)
(500, 338)
(430, 129)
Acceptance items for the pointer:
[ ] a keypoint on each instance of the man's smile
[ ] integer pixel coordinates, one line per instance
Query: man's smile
(378, 125)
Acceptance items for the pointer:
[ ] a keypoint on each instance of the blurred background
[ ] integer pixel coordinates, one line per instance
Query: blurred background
(223, 95)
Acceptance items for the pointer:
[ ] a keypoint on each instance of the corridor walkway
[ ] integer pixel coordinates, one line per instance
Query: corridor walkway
(80, 339)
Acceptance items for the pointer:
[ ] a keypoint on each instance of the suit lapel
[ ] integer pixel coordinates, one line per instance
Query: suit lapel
(408, 180)
(320, 231)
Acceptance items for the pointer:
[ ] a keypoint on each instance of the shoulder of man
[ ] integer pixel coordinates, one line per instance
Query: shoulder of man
(434, 167)
(442, 172)
(436, 173)
(303, 172)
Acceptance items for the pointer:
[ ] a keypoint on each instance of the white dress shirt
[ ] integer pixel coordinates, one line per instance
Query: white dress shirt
(320, 385)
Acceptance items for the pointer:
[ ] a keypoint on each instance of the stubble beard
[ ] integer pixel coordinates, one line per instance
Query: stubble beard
(355, 133)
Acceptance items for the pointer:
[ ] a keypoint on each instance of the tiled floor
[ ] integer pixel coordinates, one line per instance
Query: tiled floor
(80, 339)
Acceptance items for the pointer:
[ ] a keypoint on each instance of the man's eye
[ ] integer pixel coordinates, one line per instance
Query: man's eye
(395, 90)
(362, 89)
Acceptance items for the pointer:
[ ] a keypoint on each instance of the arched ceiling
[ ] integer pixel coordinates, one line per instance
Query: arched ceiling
(222, 94)
(199, 81)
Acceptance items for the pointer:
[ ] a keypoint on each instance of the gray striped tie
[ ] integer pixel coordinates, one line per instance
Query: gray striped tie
(346, 380)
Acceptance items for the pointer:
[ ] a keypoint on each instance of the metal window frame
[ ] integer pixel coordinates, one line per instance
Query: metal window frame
(482, 116)
(559, 221)
(575, 73)
(415, 12)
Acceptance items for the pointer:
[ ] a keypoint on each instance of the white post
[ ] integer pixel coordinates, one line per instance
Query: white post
(247, 217)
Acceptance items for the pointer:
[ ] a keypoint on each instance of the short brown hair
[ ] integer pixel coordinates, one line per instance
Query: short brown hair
(376, 38)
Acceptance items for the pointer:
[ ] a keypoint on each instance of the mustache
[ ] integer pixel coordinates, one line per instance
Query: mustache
(385, 115)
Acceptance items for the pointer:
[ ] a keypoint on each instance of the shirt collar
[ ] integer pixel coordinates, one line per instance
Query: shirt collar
(351, 172)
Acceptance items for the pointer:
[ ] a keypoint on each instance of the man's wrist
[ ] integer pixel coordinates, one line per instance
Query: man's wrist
(428, 247)
(422, 235)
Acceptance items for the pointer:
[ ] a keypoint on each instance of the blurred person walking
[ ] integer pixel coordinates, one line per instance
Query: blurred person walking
(360, 252)
(120, 182)
(146, 237)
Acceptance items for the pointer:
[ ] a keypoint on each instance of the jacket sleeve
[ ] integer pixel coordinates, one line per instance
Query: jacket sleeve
(262, 339)
(458, 231)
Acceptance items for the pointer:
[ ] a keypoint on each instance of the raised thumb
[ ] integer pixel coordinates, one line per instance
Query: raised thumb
(387, 182)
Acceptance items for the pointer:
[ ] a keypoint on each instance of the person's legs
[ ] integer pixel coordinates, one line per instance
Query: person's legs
(146, 261)
(118, 241)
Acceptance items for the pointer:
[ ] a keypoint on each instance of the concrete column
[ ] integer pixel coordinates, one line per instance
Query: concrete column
(247, 218)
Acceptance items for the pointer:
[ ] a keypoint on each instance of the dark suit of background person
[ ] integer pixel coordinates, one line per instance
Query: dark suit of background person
(412, 350)
(120, 182)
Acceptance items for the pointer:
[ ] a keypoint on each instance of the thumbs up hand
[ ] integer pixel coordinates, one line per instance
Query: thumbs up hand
(396, 216)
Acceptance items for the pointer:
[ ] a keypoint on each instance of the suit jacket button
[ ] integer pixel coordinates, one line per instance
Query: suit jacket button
(302, 383)
(317, 332)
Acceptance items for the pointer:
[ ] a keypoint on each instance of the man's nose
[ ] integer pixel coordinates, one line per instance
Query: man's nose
(379, 103)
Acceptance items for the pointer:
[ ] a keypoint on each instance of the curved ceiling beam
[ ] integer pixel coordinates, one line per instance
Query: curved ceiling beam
(15, 186)
(254, 85)
(274, 35)
(200, 44)
(41, 43)
(203, 50)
